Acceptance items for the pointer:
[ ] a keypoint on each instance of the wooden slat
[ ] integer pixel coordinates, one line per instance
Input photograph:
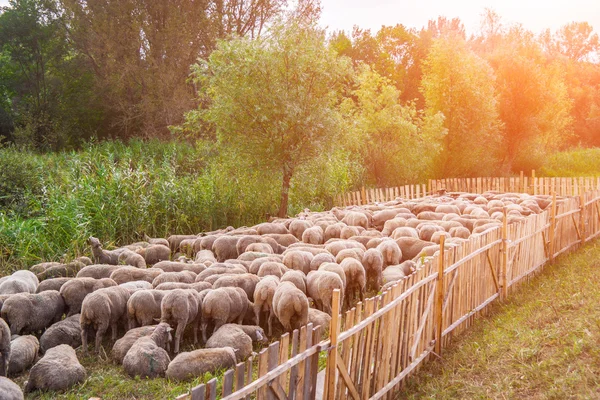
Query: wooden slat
(199, 392)
(284, 347)
(211, 387)
(227, 387)
(294, 371)
(240, 370)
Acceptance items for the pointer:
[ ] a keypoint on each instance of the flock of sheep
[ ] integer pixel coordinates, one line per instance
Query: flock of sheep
(228, 284)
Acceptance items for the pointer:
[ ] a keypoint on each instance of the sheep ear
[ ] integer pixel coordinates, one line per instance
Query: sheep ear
(157, 320)
(169, 329)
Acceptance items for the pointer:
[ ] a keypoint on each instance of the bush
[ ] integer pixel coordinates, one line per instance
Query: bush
(20, 182)
(577, 162)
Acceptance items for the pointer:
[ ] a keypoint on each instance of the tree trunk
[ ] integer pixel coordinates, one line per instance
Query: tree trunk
(285, 191)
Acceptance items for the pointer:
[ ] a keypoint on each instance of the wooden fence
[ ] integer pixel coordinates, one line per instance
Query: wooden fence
(518, 184)
(374, 346)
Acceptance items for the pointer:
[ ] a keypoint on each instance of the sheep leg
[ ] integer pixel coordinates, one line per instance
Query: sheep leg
(84, 338)
(219, 323)
(270, 323)
(178, 335)
(257, 315)
(113, 327)
(195, 328)
(130, 322)
(102, 328)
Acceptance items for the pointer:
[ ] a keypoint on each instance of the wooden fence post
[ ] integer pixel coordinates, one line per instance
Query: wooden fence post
(533, 187)
(582, 216)
(334, 330)
(504, 264)
(439, 303)
(552, 227)
(521, 182)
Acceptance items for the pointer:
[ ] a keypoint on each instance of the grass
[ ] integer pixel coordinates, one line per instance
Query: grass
(541, 344)
(575, 162)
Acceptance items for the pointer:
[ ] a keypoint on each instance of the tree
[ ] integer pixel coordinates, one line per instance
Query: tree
(533, 101)
(45, 90)
(460, 84)
(141, 51)
(275, 98)
(397, 143)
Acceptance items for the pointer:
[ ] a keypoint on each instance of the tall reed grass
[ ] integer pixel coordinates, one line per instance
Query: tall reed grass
(115, 191)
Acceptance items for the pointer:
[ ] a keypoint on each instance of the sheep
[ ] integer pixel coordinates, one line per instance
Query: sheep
(435, 238)
(136, 285)
(245, 242)
(393, 273)
(197, 286)
(404, 231)
(23, 352)
(298, 259)
(52, 284)
(155, 253)
(350, 231)
(132, 258)
(245, 281)
(319, 259)
(319, 318)
(21, 281)
(225, 247)
(298, 226)
(175, 240)
(181, 307)
(356, 218)
(189, 365)
(4, 347)
(59, 369)
(270, 227)
(75, 290)
(256, 264)
(218, 269)
(283, 239)
(223, 305)
(372, 261)
(67, 331)
(10, 390)
(355, 279)
(204, 257)
(263, 299)
(173, 266)
(32, 312)
(297, 278)
(129, 274)
(390, 251)
(97, 271)
(333, 231)
(272, 268)
(349, 253)
(187, 246)
(150, 240)
(320, 285)
(381, 217)
(411, 247)
(101, 309)
(238, 336)
(313, 235)
(143, 307)
(290, 306)
(183, 277)
(41, 267)
(61, 270)
(334, 247)
(336, 268)
(147, 357)
(102, 256)
(122, 346)
(259, 248)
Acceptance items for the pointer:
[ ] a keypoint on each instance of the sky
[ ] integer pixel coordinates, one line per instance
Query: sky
(534, 15)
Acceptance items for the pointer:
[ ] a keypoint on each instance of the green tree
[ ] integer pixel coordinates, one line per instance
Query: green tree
(397, 143)
(45, 90)
(274, 98)
(460, 84)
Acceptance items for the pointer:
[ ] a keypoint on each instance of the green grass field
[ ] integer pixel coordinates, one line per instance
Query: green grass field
(541, 344)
